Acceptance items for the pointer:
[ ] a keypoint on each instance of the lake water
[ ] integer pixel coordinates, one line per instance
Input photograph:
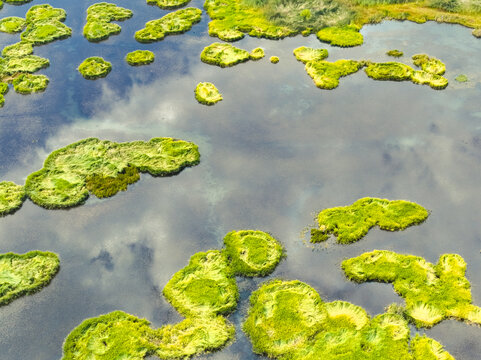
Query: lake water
(274, 152)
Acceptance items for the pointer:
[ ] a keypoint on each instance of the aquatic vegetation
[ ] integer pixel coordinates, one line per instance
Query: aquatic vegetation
(3, 91)
(45, 12)
(140, 57)
(12, 24)
(106, 186)
(428, 349)
(62, 182)
(11, 194)
(26, 273)
(28, 83)
(168, 4)
(99, 24)
(289, 320)
(326, 74)
(176, 22)
(477, 32)
(223, 55)
(395, 53)
(307, 54)
(429, 64)
(206, 93)
(351, 223)
(345, 36)
(432, 292)
(94, 67)
(24, 64)
(257, 54)
(461, 78)
(274, 59)
(17, 50)
(45, 24)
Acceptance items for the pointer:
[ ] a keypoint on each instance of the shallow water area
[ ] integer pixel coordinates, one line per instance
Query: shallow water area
(274, 152)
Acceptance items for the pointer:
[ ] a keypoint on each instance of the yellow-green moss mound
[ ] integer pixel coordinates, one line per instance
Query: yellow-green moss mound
(176, 22)
(45, 24)
(432, 292)
(306, 54)
(17, 50)
(351, 223)
(206, 93)
(11, 197)
(289, 320)
(168, 4)
(103, 166)
(274, 59)
(429, 64)
(99, 24)
(140, 57)
(28, 83)
(223, 55)
(25, 274)
(94, 67)
(326, 74)
(345, 36)
(257, 54)
(12, 24)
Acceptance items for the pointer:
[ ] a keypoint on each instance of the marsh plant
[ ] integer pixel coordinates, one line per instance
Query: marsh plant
(206, 93)
(223, 55)
(11, 195)
(345, 36)
(94, 67)
(257, 53)
(12, 24)
(140, 57)
(99, 24)
(28, 83)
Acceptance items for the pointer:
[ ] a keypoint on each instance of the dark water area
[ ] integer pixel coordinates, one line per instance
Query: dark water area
(274, 152)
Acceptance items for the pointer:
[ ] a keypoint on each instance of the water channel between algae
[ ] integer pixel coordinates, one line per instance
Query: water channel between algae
(274, 151)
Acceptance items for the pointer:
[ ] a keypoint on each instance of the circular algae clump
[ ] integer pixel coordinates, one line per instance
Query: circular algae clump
(306, 54)
(28, 83)
(206, 93)
(12, 24)
(252, 252)
(257, 53)
(274, 59)
(345, 36)
(140, 57)
(94, 67)
(11, 195)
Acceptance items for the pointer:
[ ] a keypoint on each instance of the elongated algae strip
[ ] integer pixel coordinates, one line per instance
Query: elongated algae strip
(432, 292)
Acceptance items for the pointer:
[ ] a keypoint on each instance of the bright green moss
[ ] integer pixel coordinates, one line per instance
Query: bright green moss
(252, 252)
(62, 182)
(45, 12)
(351, 223)
(428, 349)
(140, 57)
(432, 292)
(395, 53)
(28, 83)
(19, 49)
(99, 17)
(425, 78)
(94, 67)
(274, 59)
(176, 22)
(345, 36)
(168, 4)
(44, 25)
(461, 78)
(11, 195)
(25, 64)
(307, 54)
(206, 93)
(326, 74)
(25, 274)
(429, 64)
(223, 55)
(257, 54)
(12, 24)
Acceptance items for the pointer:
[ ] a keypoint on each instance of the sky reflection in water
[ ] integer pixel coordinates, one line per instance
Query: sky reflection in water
(273, 152)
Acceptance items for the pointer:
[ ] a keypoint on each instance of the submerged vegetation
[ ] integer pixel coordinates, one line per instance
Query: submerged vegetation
(206, 93)
(395, 53)
(99, 24)
(11, 196)
(223, 55)
(461, 78)
(176, 22)
(289, 320)
(345, 36)
(26, 273)
(94, 67)
(140, 57)
(351, 223)
(432, 292)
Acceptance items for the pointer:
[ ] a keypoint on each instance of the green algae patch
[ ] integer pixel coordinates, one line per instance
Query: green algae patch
(395, 53)
(345, 36)
(257, 54)
(69, 172)
(206, 93)
(429, 64)
(168, 4)
(12, 195)
(432, 292)
(94, 67)
(274, 59)
(307, 54)
(12, 24)
(24, 64)
(140, 57)
(17, 50)
(176, 22)
(326, 74)
(351, 223)
(28, 83)
(99, 24)
(461, 78)
(223, 55)
(252, 252)
(25, 274)
(45, 24)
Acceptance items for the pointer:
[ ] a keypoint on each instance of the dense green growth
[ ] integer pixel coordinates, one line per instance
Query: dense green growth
(45, 24)
(395, 53)
(274, 59)
(3, 91)
(223, 55)
(12, 24)
(28, 83)
(140, 57)
(256, 54)
(168, 4)
(461, 78)
(351, 223)
(176, 22)
(432, 292)
(429, 64)
(11, 195)
(69, 172)
(94, 67)
(345, 36)
(307, 54)
(289, 320)
(428, 349)
(252, 252)
(24, 64)
(17, 50)
(206, 93)
(326, 74)
(26, 273)
(99, 24)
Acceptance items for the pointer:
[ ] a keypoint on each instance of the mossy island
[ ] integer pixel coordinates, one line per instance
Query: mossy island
(168, 4)
(432, 292)
(94, 67)
(206, 93)
(45, 24)
(176, 22)
(223, 55)
(99, 24)
(345, 36)
(351, 223)
(395, 53)
(289, 320)
(307, 54)
(140, 57)
(28, 83)
(274, 59)
(12, 24)
(11, 197)
(256, 54)
(24, 274)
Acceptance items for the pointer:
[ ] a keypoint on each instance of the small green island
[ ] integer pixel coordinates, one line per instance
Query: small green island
(351, 223)
(94, 67)
(45, 24)
(206, 93)
(342, 36)
(168, 4)
(140, 57)
(12, 24)
(257, 53)
(274, 59)
(204, 292)
(223, 55)
(176, 22)
(99, 24)
(289, 320)
(24, 274)
(432, 292)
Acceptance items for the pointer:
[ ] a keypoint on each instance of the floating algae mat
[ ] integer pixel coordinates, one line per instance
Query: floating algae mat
(203, 292)
(99, 24)
(94, 67)
(289, 320)
(351, 223)
(206, 93)
(140, 57)
(346, 36)
(432, 292)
